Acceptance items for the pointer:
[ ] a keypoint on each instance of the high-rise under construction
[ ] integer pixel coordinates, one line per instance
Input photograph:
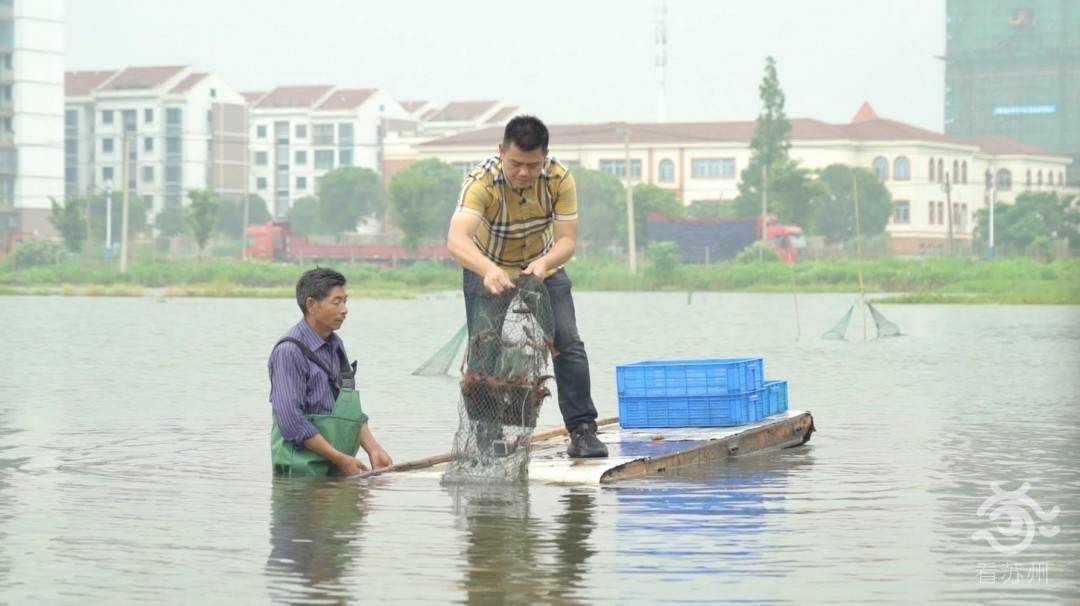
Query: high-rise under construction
(1012, 69)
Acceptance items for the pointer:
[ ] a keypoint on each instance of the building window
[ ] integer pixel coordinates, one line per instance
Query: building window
(148, 174)
(901, 212)
(941, 213)
(901, 169)
(667, 171)
(933, 206)
(260, 184)
(324, 134)
(260, 131)
(1039, 183)
(172, 174)
(345, 134)
(301, 183)
(301, 157)
(1004, 180)
(881, 168)
(963, 172)
(148, 144)
(712, 168)
(107, 145)
(345, 157)
(324, 159)
(940, 170)
(148, 115)
(71, 119)
(955, 171)
(107, 117)
(260, 158)
(618, 168)
(930, 171)
(107, 174)
(301, 131)
(1061, 177)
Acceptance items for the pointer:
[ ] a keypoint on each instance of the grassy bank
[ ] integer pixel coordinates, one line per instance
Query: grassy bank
(923, 281)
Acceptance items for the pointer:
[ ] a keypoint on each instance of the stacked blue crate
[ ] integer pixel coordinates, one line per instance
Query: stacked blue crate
(706, 392)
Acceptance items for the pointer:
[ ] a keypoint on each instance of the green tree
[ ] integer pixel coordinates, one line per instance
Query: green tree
(231, 216)
(601, 206)
(69, 219)
(712, 208)
(1028, 226)
(170, 221)
(348, 194)
(832, 212)
(305, 218)
(649, 199)
(422, 199)
(770, 144)
(98, 210)
(201, 215)
(31, 253)
(663, 261)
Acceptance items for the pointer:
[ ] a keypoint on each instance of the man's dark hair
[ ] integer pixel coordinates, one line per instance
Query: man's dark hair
(316, 283)
(526, 133)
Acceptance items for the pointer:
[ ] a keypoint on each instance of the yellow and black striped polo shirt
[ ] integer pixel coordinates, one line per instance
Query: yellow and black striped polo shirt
(517, 225)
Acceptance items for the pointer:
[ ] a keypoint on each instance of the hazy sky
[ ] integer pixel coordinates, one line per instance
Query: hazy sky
(566, 61)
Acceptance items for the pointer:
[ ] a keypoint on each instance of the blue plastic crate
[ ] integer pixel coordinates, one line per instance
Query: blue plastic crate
(693, 411)
(776, 397)
(698, 377)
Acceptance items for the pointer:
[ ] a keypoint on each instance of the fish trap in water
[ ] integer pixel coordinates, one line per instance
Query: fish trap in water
(503, 383)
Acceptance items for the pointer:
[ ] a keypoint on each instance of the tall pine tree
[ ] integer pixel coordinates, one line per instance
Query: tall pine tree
(790, 187)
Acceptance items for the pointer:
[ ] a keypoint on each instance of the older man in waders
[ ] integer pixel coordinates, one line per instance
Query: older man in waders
(518, 215)
(319, 425)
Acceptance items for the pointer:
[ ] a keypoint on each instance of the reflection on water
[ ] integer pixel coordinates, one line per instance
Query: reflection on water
(315, 530)
(512, 557)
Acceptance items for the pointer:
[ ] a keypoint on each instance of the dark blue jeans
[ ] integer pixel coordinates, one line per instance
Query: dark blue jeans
(571, 363)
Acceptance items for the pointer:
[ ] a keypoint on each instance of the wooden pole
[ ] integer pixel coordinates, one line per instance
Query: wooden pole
(858, 252)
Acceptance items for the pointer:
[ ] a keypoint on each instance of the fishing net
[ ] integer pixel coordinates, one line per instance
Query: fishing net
(885, 328)
(838, 331)
(503, 383)
(439, 363)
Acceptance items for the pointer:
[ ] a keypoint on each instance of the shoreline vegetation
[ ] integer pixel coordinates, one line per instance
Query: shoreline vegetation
(924, 281)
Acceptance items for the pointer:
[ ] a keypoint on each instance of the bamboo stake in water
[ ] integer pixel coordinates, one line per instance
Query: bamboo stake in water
(858, 253)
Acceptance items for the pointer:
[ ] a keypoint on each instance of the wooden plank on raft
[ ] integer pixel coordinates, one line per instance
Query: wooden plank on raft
(636, 453)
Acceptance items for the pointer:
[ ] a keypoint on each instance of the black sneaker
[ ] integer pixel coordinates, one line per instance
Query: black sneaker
(584, 443)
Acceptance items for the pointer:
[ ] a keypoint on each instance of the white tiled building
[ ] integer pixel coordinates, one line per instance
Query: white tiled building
(702, 161)
(185, 130)
(31, 113)
(299, 133)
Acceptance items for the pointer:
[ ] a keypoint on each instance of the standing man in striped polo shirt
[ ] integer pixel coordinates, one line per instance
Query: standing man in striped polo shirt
(518, 215)
(319, 425)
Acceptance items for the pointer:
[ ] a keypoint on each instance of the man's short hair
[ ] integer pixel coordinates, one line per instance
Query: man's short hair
(316, 283)
(526, 133)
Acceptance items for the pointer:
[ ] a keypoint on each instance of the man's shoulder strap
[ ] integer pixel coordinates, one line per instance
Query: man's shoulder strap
(346, 373)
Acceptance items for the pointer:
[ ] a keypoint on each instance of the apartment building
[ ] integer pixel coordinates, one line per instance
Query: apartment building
(300, 133)
(183, 129)
(702, 161)
(31, 114)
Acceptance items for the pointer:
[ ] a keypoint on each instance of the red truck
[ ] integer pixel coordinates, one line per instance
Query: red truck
(707, 239)
(275, 241)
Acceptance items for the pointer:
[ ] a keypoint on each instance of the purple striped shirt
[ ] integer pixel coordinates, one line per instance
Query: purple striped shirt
(297, 386)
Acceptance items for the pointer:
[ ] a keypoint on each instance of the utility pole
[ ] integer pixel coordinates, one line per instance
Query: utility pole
(124, 215)
(630, 227)
(948, 208)
(108, 218)
(992, 194)
(764, 208)
(245, 145)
